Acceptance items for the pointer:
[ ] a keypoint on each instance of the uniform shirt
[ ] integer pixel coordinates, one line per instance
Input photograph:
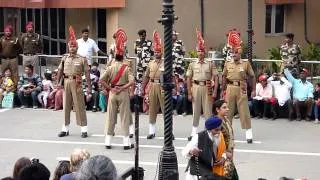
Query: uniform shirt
(10, 47)
(34, 80)
(86, 48)
(290, 54)
(263, 92)
(155, 69)
(301, 91)
(237, 71)
(143, 50)
(281, 91)
(73, 65)
(111, 72)
(31, 43)
(201, 71)
(178, 51)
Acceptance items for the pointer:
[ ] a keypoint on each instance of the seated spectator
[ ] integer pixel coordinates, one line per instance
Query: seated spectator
(47, 88)
(94, 69)
(29, 86)
(103, 98)
(281, 88)
(261, 102)
(20, 164)
(77, 157)
(97, 167)
(62, 169)
(7, 85)
(182, 99)
(302, 93)
(93, 102)
(317, 103)
(56, 96)
(35, 171)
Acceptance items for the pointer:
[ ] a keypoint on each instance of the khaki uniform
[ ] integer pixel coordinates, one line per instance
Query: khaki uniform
(31, 45)
(156, 95)
(119, 101)
(200, 74)
(73, 68)
(10, 49)
(236, 94)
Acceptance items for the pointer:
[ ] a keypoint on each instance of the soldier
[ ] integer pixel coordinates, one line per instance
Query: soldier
(152, 79)
(10, 49)
(112, 51)
(118, 78)
(143, 50)
(290, 55)
(72, 67)
(235, 75)
(31, 45)
(178, 52)
(201, 78)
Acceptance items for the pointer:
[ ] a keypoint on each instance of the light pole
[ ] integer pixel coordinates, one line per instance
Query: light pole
(250, 31)
(168, 165)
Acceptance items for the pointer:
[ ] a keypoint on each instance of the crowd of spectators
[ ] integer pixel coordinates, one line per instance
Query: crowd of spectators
(80, 166)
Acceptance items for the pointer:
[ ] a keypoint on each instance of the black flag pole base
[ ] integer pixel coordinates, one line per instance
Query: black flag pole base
(168, 165)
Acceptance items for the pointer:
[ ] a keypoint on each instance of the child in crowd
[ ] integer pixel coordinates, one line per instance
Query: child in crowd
(47, 88)
(7, 85)
(317, 103)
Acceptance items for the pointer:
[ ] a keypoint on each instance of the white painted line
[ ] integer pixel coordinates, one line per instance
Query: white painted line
(176, 138)
(158, 147)
(4, 110)
(129, 162)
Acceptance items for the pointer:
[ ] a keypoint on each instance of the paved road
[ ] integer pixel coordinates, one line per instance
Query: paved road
(281, 147)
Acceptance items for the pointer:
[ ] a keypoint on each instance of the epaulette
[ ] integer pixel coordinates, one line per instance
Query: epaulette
(244, 60)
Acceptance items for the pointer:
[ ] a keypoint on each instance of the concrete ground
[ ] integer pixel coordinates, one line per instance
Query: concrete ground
(281, 148)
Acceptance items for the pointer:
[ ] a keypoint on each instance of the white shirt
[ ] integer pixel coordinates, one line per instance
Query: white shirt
(86, 48)
(263, 92)
(281, 91)
(47, 85)
(193, 144)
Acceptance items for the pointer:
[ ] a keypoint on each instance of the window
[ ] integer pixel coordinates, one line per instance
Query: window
(275, 19)
(50, 23)
(1, 19)
(101, 24)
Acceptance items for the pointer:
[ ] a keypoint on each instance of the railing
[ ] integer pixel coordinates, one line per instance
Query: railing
(260, 65)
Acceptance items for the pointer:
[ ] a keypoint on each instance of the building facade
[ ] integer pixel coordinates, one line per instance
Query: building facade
(271, 20)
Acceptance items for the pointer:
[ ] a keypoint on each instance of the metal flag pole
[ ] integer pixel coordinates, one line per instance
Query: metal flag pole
(168, 165)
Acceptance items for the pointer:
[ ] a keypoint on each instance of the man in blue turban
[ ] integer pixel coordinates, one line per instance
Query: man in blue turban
(206, 151)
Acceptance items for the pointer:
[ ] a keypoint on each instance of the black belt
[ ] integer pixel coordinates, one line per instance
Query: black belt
(70, 77)
(13, 57)
(201, 83)
(119, 85)
(155, 80)
(235, 83)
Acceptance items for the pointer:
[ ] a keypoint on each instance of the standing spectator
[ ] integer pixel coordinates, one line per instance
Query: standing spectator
(97, 167)
(302, 93)
(281, 88)
(62, 169)
(317, 103)
(10, 49)
(31, 45)
(7, 85)
(87, 46)
(262, 100)
(56, 96)
(29, 85)
(19, 165)
(47, 88)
